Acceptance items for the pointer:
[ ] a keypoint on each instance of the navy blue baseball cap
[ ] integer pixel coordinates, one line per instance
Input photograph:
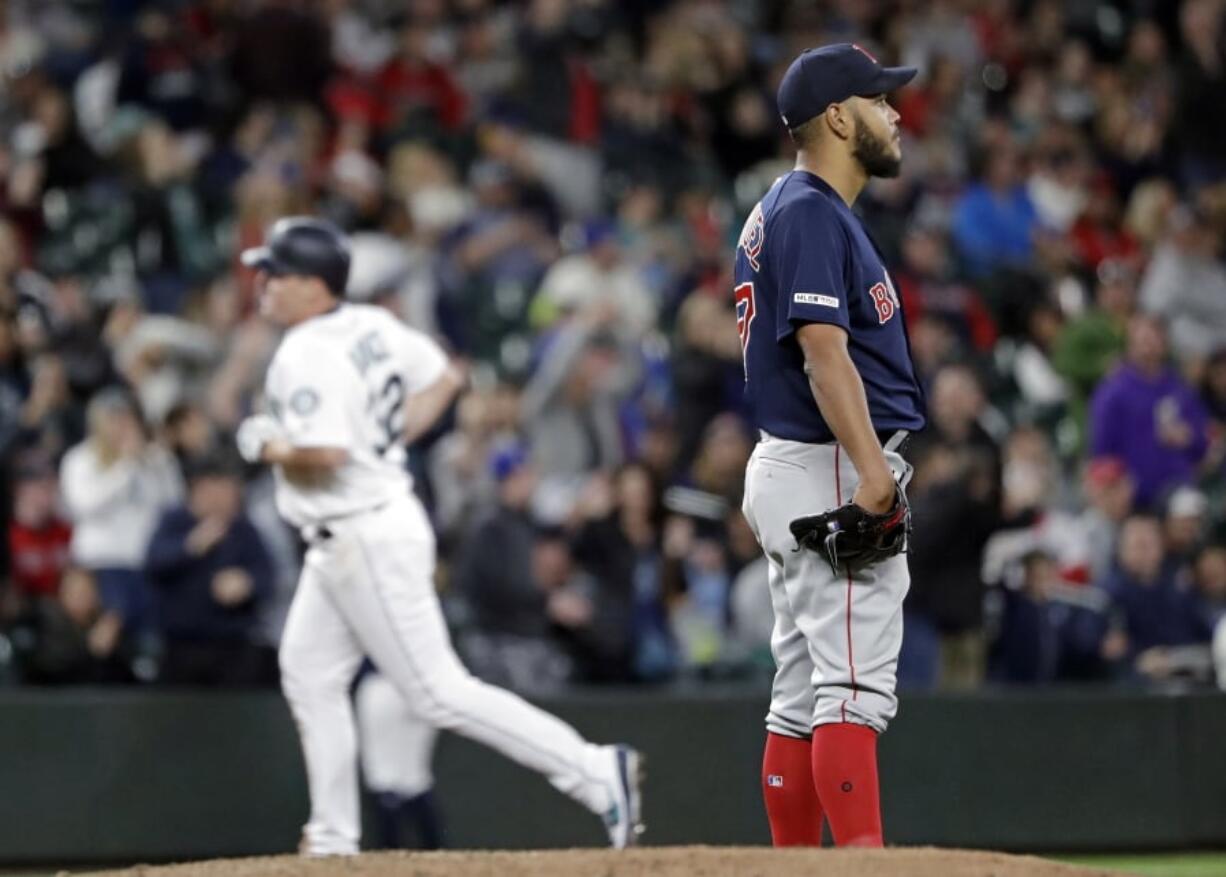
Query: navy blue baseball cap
(831, 74)
(306, 246)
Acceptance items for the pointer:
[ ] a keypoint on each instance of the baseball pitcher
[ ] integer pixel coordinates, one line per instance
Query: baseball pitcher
(348, 388)
(829, 376)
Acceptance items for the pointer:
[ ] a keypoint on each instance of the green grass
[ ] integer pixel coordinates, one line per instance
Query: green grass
(1156, 864)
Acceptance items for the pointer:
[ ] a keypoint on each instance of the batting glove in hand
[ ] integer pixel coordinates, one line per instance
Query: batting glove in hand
(853, 538)
(255, 432)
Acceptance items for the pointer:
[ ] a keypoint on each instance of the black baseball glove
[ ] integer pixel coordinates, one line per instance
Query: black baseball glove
(852, 538)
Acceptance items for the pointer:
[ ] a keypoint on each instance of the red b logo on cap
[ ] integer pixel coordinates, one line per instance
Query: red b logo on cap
(865, 52)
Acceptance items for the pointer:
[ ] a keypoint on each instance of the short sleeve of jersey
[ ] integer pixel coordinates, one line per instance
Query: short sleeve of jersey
(810, 260)
(421, 357)
(307, 396)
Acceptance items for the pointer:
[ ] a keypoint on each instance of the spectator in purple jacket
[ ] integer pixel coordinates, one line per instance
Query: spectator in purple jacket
(1146, 414)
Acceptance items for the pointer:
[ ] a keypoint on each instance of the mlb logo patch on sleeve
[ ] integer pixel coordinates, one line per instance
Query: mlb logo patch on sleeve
(814, 298)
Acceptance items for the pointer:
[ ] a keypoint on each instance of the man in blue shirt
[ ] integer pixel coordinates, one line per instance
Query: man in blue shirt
(212, 573)
(832, 388)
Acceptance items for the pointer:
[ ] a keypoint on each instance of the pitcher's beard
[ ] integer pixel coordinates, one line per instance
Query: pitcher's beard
(874, 155)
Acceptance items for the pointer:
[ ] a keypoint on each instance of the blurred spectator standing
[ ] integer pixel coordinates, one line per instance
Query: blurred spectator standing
(170, 244)
(281, 52)
(1185, 526)
(588, 616)
(570, 411)
(1209, 575)
(1090, 345)
(1108, 489)
(164, 358)
(211, 573)
(1147, 415)
(955, 500)
(187, 432)
(70, 638)
(509, 642)
(707, 367)
(116, 484)
(753, 616)
(932, 289)
(1157, 611)
(995, 220)
(458, 464)
(1185, 284)
(1198, 129)
(1033, 516)
(618, 538)
(1213, 395)
(598, 275)
(1049, 631)
(699, 560)
(38, 538)
(493, 260)
(161, 71)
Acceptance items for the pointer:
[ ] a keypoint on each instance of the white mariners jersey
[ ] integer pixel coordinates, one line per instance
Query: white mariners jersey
(341, 380)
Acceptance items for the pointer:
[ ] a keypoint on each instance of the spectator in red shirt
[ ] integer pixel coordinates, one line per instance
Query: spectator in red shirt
(1098, 234)
(38, 537)
(413, 85)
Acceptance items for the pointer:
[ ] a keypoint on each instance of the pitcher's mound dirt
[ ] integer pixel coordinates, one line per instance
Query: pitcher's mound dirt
(645, 861)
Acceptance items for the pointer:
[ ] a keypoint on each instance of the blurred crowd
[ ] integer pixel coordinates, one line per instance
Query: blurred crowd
(553, 189)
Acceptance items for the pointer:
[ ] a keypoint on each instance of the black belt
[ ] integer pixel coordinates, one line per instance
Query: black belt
(313, 534)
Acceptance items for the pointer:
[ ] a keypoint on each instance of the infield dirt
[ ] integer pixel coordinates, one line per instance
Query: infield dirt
(645, 861)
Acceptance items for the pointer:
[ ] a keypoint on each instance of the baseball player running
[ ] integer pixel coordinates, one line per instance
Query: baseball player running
(348, 388)
(829, 376)
(396, 753)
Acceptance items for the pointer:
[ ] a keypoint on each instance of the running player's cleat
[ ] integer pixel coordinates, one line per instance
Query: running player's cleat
(624, 818)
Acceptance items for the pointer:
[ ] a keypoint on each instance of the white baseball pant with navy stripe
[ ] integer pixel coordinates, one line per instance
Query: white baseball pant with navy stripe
(367, 589)
(836, 638)
(396, 745)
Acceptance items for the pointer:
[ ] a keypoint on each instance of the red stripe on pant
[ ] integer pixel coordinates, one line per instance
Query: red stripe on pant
(845, 756)
(851, 661)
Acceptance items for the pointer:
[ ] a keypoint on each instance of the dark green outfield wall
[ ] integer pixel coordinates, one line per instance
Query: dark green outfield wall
(145, 776)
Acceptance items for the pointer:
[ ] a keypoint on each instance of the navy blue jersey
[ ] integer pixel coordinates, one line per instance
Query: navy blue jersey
(803, 257)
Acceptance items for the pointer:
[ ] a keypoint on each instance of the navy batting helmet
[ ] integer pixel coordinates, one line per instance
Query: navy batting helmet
(305, 246)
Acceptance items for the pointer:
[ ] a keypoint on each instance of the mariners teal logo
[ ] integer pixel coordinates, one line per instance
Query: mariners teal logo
(304, 401)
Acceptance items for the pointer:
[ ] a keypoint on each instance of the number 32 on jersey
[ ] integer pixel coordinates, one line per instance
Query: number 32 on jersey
(744, 319)
(388, 402)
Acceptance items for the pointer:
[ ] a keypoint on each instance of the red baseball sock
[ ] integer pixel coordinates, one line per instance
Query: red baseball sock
(845, 773)
(792, 807)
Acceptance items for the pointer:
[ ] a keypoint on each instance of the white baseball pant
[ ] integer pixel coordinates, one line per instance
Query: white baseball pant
(367, 589)
(395, 744)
